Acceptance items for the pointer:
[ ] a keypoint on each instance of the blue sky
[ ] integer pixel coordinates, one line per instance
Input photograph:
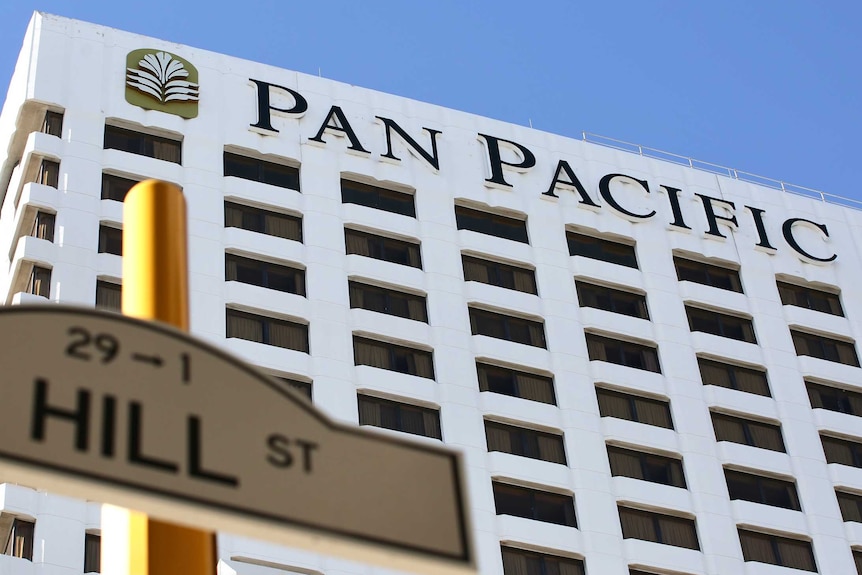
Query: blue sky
(766, 86)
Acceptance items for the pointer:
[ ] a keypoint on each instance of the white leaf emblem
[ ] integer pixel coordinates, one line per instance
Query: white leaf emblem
(163, 78)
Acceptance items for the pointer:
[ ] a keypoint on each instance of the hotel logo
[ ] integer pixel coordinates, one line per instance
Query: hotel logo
(159, 80)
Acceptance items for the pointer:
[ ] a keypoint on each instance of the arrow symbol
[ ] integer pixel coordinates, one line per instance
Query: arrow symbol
(154, 360)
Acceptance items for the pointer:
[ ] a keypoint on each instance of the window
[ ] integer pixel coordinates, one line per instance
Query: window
(499, 274)
(53, 123)
(721, 324)
(264, 274)
(520, 562)
(634, 408)
(610, 299)
(776, 550)
(303, 387)
(40, 282)
(49, 173)
(393, 357)
(92, 553)
(521, 384)
(500, 326)
(747, 432)
(851, 506)
(646, 466)
(261, 171)
(658, 528)
(262, 221)
(491, 224)
(277, 332)
(387, 301)
(626, 353)
(115, 188)
(601, 249)
(857, 559)
(378, 198)
(807, 297)
(733, 377)
(20, 542)
(842, 451)
(110, 240)
(525, 442)
(834, 399)
(382, 248)
(760, 489)
(707, 274)
(43, 226)
(399, 416)
(824, 348)
(109, 296)
(143, 144)
(534, 504)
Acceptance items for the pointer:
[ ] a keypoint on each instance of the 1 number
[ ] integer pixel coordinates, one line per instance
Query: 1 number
(106, 344)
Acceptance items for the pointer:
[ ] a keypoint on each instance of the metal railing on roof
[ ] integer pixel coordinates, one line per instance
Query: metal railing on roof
(720, 170)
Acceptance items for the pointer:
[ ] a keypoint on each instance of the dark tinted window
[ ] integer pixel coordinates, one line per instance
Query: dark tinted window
(382, 248)
(304, 387)
(264, 274)
(851, 506)
(534, 504)
(521, 384)
(818, 300)
(707, 274)
(53, 123)
(834, 399)
(262, 221)
(261, 171)
(92, 553)
(110, 240)
(271, 331)
(501, 326)
(115, 187)
(646, 466)
(634, 408)
(43, 226)
(388, 301)
(491, 224)
(39, 282)
(20, 542)
(776, 550)
(525, 442)
(747, 432)
(601, 249)
(824, 348)
(721, 324)
(143, 144)
(626, 353)
(393, 357)
(109, 295)
(520, 562)
(49, 173)
(498, 274)
(842, 451)
(399, 416)
(658, 528)
(610, 299)
(378, 198)
(733, 377)
(759, 489)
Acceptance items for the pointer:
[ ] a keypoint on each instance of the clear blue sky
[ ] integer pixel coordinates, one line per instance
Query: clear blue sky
(766, 86)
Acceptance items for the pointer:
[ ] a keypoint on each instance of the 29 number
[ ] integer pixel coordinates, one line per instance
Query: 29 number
(82, 343)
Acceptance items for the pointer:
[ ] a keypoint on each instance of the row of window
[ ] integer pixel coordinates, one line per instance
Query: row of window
(19, 537)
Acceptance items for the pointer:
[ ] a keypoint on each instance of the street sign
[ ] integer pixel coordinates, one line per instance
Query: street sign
(106, 407)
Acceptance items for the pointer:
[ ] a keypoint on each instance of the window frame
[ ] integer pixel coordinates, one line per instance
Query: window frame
(144, 141)
(110, 239)
(378, 198)
(27, 530)
(843, 399)
(675, 473)
(764, 485)
(390, 299)
(808, 297)
(632, 401)
(514, 383)
(400, 407)
(749, 436)
(593, 299)
(92, 553)
(542, 561)
(267, 270)
(535, 330)
(533, 498)
(52, 123)
(44, 224)
(656, 517)
(854, 447)
(846, 499)
(602, 249)
(393, 360)
(249, 214)
(714, 274)
(491, 223)
(732, 372)
(39, 282)
(267, 323)
(775, 549)
(499, 274)
(110, 287)
(528, 442)
(843, 349)
(625, 349)
(379, 246)
(267, 172)
(109, 184)
(720, 323)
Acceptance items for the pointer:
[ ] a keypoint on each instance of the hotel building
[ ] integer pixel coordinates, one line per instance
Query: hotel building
(650, 365)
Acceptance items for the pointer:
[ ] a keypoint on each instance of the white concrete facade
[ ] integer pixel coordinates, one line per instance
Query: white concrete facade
(79, 69)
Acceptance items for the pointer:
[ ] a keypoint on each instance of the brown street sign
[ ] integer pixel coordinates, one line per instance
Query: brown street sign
(106, 407)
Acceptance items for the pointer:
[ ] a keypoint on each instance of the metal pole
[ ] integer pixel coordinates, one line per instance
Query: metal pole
(155, 287)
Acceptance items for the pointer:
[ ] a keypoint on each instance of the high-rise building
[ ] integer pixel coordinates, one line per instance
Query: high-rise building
(649, 365)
